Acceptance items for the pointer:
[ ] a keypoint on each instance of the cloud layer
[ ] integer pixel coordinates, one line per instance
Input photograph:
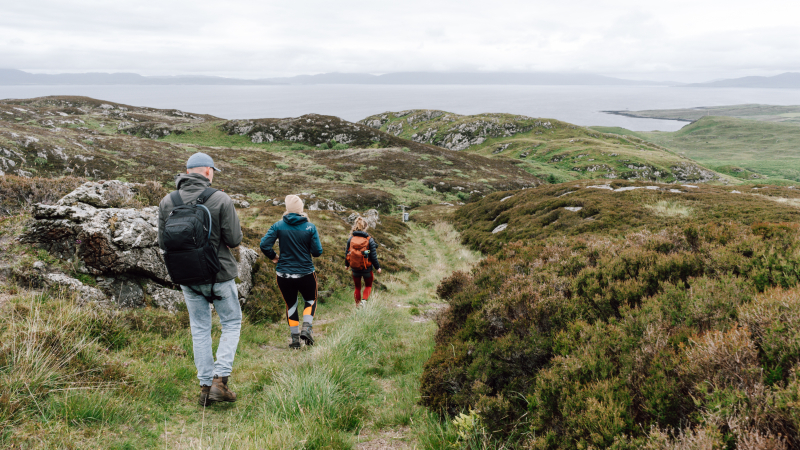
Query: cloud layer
(681, 40)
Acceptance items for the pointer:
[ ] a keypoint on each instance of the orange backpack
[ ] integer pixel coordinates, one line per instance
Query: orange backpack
(358, 253)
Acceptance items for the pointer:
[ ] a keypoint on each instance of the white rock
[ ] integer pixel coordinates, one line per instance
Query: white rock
(85, 293)
(499, 228)
(573, 208)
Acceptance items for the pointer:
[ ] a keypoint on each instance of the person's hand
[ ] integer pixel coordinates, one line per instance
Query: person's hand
(276, 260)
(379, 270)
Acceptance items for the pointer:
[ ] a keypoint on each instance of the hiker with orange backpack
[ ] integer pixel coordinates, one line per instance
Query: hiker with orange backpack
(361, 255)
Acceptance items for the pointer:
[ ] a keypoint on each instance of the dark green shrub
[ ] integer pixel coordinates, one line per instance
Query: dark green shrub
(577, 333)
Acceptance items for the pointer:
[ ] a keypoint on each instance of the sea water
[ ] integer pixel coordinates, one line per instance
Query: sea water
(581, 105)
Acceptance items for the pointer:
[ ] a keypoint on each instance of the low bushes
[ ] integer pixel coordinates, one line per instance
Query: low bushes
(668, 332)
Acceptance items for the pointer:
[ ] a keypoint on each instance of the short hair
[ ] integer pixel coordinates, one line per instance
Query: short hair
(360, 224)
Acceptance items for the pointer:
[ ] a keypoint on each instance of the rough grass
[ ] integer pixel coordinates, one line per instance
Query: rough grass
(668, 208)
(78, 377)
(630, 330)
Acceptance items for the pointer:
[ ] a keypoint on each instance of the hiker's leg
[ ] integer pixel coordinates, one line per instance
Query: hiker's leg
(357, 282)
(288, 288)
(200, 322)
(230, 317)
(308, 289)
(368, 285)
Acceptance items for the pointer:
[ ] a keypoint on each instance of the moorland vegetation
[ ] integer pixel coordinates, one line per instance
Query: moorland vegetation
(621, 302)
(646, 318)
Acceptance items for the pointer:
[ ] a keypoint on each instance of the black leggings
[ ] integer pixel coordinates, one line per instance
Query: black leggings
(307, 287)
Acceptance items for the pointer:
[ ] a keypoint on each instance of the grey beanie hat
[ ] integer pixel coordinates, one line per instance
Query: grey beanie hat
(201, 160)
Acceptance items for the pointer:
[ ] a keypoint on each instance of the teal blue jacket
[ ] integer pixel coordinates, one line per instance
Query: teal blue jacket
(298, 242)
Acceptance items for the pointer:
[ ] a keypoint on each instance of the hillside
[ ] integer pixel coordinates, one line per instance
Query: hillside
(625, 316)
(757, 151)
(353, 165)
(549, 148)
(766, 113)
(602, 312)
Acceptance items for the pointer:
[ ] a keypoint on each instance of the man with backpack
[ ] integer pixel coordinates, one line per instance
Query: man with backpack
(197, 226)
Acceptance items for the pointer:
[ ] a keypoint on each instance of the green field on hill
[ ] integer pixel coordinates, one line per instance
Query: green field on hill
(749, 150)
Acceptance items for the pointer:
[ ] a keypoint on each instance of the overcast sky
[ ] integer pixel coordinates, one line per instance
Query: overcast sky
(682, 40)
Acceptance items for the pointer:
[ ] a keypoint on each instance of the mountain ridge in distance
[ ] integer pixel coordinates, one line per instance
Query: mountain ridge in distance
(11, 77)
(787, 80)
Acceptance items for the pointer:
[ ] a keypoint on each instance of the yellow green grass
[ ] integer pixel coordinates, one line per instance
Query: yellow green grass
(80, 377)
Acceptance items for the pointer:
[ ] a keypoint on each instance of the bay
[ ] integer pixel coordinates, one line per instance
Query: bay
(581, 105)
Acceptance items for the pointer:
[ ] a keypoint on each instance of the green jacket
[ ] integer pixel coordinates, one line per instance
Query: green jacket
(226, 233)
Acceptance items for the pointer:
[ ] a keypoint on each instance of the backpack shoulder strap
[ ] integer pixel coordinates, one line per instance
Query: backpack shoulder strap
(205, 195)
(176, 199)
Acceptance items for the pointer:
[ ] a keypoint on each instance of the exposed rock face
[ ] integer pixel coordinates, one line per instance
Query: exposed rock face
(119, 246)
(371, 216)
(313, 203)
(691, 172)
(86, 293)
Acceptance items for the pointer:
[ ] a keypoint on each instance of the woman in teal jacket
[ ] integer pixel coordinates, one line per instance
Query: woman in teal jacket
(298, 243)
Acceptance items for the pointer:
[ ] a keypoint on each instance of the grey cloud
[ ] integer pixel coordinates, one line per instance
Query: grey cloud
(269, 38)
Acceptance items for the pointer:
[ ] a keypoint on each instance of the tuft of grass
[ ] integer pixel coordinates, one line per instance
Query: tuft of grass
(666, 208)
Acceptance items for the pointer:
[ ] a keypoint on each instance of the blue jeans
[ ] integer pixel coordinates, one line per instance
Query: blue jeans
(230, 317)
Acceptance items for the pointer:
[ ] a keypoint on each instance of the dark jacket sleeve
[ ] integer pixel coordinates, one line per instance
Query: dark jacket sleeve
(230, 229)
(373, 254)
(347, 249)
(162, 219)
(316, 245)
(268, 241)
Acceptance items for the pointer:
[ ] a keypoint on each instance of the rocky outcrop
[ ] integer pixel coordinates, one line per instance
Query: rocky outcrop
(693, 173)
(371, 216)
(313, 203)
(117, 246)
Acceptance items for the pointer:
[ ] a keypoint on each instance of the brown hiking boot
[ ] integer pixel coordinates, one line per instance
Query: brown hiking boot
(203, 400)
(219, 391)
(305, 335)
(295, 341)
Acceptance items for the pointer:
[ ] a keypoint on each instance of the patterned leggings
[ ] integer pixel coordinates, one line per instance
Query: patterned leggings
(307, 287)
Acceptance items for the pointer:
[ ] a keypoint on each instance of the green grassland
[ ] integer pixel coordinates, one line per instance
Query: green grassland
(83, 377)
(551, 149)
(765, 113)
(749, 150)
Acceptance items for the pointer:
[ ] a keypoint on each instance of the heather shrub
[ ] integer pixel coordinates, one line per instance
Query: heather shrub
(20, 193)
(621, 326)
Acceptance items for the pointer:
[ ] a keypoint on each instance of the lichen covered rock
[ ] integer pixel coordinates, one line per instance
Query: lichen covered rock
(119, 246)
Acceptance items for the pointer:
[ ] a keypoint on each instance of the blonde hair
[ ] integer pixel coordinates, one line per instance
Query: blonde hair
(360, 224)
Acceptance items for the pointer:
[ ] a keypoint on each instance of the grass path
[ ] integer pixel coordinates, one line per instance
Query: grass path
(357, 388)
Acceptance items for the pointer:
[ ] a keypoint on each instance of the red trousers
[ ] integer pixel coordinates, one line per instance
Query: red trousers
(367, 286)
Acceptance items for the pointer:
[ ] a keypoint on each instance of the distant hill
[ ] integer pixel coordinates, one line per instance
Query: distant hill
(18, 77)
(764, 113)
(788, 80)
(550, 149)
(757, 151)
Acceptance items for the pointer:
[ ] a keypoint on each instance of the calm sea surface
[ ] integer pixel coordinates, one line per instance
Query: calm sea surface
(580, 105)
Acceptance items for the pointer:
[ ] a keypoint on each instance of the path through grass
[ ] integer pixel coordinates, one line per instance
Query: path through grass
(357, 388)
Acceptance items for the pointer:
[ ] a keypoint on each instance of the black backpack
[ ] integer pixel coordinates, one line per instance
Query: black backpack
(190, 257)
